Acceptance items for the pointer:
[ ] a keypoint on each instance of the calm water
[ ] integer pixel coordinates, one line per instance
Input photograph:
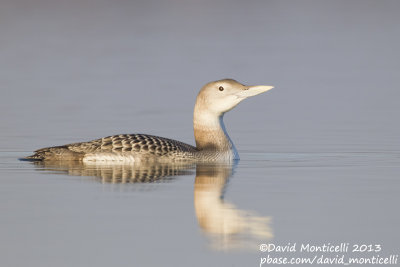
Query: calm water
(320, 154)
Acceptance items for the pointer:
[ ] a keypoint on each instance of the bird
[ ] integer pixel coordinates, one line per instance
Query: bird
(213, 143)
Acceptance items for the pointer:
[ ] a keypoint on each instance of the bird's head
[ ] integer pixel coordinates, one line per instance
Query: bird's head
(221, 96)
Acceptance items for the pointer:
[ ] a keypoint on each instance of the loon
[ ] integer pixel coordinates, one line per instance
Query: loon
(212, 141)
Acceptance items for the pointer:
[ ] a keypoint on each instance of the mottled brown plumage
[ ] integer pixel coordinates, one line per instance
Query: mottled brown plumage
(146, 145)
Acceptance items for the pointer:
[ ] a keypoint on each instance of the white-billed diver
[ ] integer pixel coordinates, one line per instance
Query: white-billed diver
(212, 141)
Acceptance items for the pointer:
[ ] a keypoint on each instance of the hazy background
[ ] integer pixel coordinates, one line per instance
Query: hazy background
(78, 70)
(83, 69)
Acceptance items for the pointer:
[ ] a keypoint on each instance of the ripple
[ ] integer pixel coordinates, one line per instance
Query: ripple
(321, 159)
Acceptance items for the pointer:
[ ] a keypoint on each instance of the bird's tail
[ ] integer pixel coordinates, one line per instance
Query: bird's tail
(54, 153)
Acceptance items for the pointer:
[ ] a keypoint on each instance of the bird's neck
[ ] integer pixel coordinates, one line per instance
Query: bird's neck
(210, 133)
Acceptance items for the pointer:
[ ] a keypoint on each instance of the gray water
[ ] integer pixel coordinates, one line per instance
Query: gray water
(320, 154)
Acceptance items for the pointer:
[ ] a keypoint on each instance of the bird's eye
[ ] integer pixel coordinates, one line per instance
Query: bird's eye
(221, 88)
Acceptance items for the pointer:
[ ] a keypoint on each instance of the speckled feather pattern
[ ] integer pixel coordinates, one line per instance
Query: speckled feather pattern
(142, 143)
(119, 147)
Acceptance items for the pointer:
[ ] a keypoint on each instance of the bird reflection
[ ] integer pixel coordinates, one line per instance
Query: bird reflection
(225, 226)
(145, 172)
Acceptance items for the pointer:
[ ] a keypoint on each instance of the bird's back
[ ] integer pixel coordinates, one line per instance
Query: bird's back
(121, 147)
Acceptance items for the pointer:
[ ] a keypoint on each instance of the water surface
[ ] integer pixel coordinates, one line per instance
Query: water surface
(320, 154)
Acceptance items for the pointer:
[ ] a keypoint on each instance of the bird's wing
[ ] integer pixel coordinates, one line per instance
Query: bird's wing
(141, 143)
